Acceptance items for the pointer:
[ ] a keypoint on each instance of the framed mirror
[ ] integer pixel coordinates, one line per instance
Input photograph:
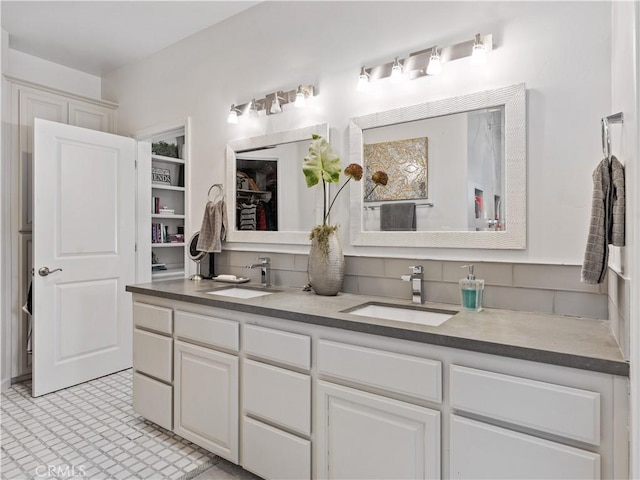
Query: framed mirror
(457, 173)
(267, 198)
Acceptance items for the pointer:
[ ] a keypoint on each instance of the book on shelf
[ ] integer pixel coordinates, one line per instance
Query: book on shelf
(160, 233)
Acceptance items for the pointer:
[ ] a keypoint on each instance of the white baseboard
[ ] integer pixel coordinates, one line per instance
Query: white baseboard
(5, 385)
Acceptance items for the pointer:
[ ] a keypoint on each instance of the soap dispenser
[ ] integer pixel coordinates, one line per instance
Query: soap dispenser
(471, 291)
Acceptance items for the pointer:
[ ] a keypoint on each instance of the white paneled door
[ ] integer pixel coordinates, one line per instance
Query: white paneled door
(84, 236)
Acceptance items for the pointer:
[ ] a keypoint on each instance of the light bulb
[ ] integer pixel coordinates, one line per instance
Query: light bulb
(275, 105)
(396, 71)
(479, 52)
(253, 110)
(434, 67)
(233, 115)
(301, 100)
(363, 81)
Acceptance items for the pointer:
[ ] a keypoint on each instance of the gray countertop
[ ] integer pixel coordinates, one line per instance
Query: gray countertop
(576, 342)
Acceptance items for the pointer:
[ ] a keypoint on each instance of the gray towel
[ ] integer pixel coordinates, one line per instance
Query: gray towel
(214, 227)
(396, 217)
(607, 219)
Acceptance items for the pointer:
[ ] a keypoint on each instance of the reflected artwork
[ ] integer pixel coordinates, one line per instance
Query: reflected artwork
(405, 161)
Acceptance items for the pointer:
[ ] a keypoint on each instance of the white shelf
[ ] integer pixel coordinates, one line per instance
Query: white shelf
(167, 244)
(162, 158)
(160, 186)
(169, 273)
(161, 215)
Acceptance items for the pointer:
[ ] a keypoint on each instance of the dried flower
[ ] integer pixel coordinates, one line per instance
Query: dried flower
(354, 171)
(380, 178)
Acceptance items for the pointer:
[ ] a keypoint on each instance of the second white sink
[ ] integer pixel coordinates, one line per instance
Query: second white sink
(430, 317)
(236, 292)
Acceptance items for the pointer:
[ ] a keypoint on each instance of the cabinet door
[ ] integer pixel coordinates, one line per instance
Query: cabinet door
(33, 104)
(91, 116)
(479, 450)
(206, 399)
(361, 435)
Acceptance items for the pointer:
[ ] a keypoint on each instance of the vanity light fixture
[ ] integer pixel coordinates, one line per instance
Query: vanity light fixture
(233, 115)
(425, 62)
(275, 104)
(396, 71)
(301, 98)
(478, 52)
(434, 67)
(271, 103)
(363, 81)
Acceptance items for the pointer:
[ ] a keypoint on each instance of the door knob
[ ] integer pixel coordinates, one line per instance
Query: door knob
(44, 271)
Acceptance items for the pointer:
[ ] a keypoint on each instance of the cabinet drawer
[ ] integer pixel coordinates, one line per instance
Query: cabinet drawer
(284, 347)
(479, 450)
(153, 354)
(546, 407)
(153, 400)
(216, 332)
(394, 372)
(152, 317)
(277, 395)
(274, 454)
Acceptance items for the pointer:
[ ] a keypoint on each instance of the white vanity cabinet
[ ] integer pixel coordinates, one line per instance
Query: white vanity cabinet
(480, 449)
(287, 399)
(276, 403)
(206, 382)
(365, 435)
(152, 363)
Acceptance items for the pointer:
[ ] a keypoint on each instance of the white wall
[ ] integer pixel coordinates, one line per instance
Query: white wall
(625, 262)
(43, 72)
(277, 45)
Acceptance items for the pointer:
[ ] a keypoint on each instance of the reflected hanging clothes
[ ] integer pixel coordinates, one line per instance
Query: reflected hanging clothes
(28, 309)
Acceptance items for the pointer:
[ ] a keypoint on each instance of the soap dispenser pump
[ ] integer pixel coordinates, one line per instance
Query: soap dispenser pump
(471, 290)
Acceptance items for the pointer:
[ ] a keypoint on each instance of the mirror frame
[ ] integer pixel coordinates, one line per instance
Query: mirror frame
(515, 152)
(251, 143)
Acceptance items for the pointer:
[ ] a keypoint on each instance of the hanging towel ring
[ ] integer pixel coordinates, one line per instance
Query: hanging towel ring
(220, 191)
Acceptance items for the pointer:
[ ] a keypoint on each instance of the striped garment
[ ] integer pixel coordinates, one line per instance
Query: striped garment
(607, 219)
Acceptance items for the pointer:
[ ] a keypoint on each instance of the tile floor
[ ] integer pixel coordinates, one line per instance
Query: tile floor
(91, 431)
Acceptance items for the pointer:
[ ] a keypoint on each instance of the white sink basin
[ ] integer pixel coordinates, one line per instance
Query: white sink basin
(432, 317)
(236, 292)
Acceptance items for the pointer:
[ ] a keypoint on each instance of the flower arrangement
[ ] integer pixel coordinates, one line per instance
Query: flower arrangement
(322, 165)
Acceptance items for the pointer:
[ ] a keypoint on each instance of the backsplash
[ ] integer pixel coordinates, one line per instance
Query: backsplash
(618, 295)
(512, 286)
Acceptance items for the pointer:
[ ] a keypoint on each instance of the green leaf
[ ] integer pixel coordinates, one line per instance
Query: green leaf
(321, 163)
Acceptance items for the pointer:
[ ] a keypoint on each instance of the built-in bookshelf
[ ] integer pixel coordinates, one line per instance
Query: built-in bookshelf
(168, 202)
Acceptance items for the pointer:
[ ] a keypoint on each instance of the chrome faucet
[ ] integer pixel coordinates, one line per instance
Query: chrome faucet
(416, 277)
(265, 270)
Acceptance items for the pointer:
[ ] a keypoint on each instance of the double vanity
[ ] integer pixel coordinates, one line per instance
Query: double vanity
(289, 384)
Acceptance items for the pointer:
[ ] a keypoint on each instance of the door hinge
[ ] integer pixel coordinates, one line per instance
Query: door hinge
(135, 247)
(135, 164)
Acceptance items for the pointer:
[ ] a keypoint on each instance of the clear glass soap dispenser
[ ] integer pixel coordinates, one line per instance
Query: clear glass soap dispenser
(471, 290)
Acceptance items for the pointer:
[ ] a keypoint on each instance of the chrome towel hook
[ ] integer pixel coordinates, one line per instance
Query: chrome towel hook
(606, 137)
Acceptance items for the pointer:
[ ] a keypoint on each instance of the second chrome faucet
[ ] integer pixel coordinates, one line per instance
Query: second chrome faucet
(415, 280)
(265, 270)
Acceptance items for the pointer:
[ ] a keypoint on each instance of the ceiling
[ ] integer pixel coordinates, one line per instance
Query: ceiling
(98, 37)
